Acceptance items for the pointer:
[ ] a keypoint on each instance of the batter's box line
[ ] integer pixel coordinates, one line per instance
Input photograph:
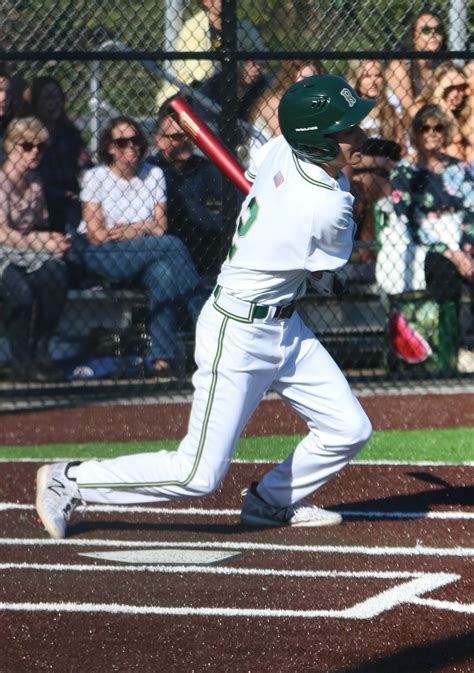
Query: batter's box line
(406, 593)
(417, 550)
(216, 512)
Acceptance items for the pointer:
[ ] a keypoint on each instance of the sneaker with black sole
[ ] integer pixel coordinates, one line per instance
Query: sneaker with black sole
(257, 512)
(57, 496)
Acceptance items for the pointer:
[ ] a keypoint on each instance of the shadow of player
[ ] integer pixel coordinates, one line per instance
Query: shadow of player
(441, 493)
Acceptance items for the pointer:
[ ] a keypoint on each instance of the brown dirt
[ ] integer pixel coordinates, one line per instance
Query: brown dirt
(409, 638)
(169, 421)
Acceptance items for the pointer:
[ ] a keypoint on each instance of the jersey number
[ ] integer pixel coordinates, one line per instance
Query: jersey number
(244, 225)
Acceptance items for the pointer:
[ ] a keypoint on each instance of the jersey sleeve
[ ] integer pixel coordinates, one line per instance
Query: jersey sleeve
(91, 187)
(258, 157)
(333, 232)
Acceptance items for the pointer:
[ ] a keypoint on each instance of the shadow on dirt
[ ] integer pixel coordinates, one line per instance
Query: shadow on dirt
(440, 494)
(455, 651)
(85, 527)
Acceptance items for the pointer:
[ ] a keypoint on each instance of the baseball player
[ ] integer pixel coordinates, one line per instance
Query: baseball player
(295, 223)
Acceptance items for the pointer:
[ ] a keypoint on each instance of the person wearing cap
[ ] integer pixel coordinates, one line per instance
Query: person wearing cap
(295, 227)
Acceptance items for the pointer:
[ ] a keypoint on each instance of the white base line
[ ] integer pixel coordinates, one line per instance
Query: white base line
(242, 546)
(444, 605)
(199, 511)
(386, 600)
(216, 570)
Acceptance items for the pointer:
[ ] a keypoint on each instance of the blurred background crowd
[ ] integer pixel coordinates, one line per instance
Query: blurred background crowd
(119, 198)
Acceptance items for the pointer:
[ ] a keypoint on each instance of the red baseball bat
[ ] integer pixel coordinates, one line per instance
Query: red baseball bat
(210, 145)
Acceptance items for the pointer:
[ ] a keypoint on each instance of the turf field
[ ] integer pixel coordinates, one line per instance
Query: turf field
(448, 445)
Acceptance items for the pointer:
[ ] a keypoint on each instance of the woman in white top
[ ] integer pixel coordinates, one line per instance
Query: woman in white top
(124, 216)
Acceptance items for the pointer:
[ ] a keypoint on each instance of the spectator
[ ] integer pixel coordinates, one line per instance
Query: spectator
(202, 32)
(406, 79)
(433, 200)
(65, 157)
(449, 89)
(251, 82)
(294, 70)
(124, 216)
(368, 79)
(469, 106)
(5, 105)
(33, 275)
(263, 114)
(370, 178)
(194, 194)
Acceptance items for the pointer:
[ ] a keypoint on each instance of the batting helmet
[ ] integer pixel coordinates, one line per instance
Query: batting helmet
(314, 108)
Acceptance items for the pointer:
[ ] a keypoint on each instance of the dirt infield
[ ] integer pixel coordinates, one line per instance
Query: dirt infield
(389, 590)
(169, 421)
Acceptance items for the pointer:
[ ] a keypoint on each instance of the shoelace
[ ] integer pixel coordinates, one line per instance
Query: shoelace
(301, 510)
(76, 505)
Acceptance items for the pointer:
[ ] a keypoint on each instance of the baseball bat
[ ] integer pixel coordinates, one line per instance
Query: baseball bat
(209, 144)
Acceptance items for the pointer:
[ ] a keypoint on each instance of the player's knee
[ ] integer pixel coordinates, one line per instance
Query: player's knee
(363, 431)
(360, 432)
(207, 480)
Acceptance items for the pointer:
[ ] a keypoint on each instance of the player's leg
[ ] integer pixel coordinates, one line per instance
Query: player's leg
(312, 383)
(229, 383)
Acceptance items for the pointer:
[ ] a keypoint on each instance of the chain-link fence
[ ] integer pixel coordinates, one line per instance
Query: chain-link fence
(114, 226)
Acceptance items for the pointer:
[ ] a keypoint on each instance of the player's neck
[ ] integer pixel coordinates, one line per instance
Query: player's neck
(331, 169)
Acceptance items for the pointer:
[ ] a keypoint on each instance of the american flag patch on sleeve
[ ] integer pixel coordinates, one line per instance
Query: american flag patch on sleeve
(278, 179)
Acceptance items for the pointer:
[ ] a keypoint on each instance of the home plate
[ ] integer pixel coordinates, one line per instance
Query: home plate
(166, 556)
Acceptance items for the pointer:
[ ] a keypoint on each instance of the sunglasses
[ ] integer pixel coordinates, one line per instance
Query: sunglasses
(174, 137)
(122, 143)
(438, 128)
(431, 30)
(27, 146)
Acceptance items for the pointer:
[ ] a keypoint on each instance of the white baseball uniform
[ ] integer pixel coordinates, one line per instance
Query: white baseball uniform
(295, 220)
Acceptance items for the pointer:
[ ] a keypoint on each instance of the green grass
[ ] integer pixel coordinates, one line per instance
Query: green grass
(452, 445)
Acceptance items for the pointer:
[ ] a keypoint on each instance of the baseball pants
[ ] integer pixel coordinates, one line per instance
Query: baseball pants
(238, 361)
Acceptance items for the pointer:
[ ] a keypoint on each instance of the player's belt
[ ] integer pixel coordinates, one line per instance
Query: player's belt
(245, 311)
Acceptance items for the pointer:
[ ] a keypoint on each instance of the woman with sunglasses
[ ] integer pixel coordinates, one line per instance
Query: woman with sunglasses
(33, 274)
(124, 217)
(449, 89)
(406, 78)
(428, 244)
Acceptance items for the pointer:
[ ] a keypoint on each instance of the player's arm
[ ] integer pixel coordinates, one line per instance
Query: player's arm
(326, 283)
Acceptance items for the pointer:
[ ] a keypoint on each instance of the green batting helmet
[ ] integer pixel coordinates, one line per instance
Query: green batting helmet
(314, 108)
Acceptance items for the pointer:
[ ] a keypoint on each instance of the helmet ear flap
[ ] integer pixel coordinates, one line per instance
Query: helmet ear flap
(326, 150)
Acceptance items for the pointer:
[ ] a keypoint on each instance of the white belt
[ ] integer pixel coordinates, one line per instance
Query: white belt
(245, 311)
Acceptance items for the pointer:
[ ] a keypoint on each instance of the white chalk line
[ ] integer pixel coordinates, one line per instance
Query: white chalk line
(385, 600)
(245, 546)
(210, 512)
(215, 570)
(444, 605)
(243, 461)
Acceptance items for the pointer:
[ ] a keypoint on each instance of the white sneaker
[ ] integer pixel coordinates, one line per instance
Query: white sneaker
(57, 497)
(256, 512)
